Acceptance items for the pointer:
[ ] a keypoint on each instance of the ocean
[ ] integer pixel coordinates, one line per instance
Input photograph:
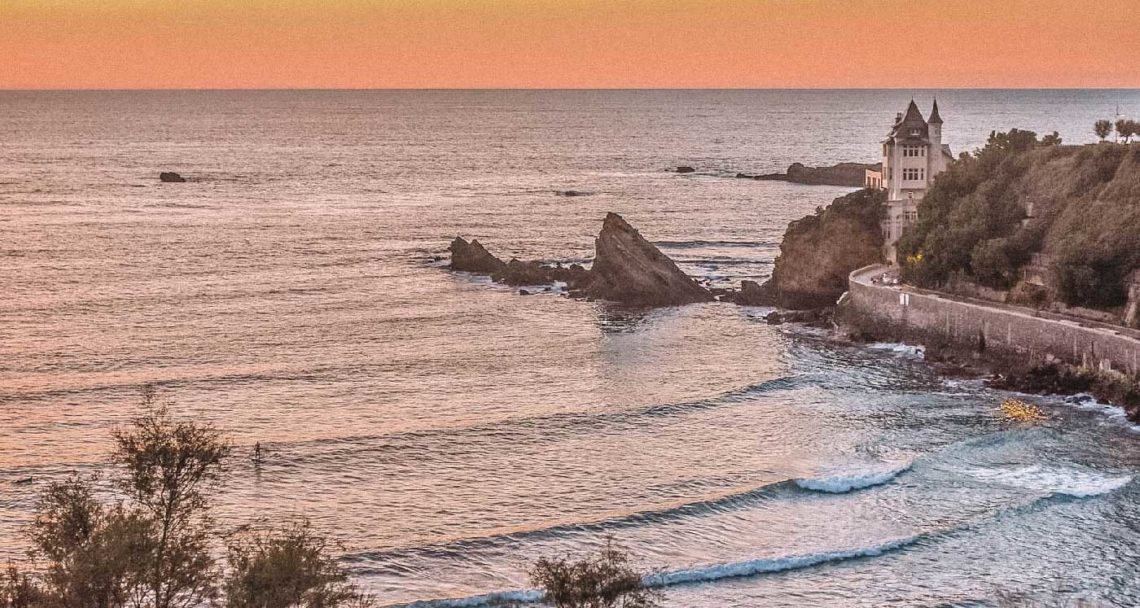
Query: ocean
(448, 431)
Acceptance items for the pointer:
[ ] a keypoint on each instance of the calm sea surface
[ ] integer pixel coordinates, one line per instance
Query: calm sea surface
(449, 431)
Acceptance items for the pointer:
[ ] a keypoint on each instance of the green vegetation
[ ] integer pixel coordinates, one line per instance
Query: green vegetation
(973, 222)
(1102, 128)
(602, 580)
(153, 545)
(1127, 129)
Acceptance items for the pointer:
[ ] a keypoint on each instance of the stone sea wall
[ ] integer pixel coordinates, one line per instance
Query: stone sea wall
(1009, 332)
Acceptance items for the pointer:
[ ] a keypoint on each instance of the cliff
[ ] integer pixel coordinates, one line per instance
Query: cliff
(1066, 216)
(820, 251)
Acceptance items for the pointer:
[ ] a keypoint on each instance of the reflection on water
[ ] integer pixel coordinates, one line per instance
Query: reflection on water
(447, 430)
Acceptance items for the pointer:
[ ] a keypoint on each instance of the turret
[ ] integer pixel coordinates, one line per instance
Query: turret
(934, 126)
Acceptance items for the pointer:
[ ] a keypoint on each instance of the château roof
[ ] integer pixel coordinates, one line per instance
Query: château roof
(912, 128)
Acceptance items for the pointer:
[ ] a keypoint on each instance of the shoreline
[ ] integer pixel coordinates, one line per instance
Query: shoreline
(1058, 358)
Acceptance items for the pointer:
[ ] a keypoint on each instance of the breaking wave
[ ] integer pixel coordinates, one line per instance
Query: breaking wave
(843, 483)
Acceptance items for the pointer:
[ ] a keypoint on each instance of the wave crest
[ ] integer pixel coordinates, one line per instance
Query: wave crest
(843, 483)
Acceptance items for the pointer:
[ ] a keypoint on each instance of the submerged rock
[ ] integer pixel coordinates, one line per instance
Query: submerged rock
(631, 270)
(752, 294)
(473, 257)
(170, 177)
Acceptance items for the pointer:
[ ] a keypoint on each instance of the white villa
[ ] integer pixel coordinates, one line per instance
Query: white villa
(913, 154)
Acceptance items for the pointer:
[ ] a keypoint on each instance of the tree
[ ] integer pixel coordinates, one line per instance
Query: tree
(169, 466)
(602, 580)
(154, 547)
(1102, 128)
(1052, 139)
(287, 568)
(1127, 128)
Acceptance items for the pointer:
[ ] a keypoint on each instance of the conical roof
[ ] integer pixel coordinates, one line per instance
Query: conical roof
(934, 117)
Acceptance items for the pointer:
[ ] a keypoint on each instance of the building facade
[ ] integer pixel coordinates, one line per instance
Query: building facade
(913, 153)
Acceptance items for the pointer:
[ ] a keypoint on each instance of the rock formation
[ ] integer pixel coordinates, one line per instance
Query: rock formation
(843, 174)
(684, 169)
(631, 270)
(819, 252)
(473, 257)
(170, 177)
(627, 269)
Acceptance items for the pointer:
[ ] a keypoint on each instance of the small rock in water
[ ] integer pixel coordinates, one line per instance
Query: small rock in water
(523, 292)
(171, 177)
(684, 169)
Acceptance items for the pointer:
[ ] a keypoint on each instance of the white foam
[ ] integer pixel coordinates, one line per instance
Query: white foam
(753, 567)
(905, 350)
(498, 598)
(850, 481)
(1087, 402)
(1068, 482)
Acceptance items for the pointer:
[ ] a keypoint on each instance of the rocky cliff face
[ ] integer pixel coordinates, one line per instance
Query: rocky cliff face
(820, 250)
(631, 270)
(627, 269)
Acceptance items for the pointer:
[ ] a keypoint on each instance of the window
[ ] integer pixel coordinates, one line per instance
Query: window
(913, 174)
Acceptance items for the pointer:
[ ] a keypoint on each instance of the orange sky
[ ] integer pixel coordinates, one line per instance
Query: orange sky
(567, 43)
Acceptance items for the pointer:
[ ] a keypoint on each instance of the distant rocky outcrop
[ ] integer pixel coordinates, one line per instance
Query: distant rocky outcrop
(170, 177)
(820, 251)
(627, 269)
(631, 270)
(843, 174)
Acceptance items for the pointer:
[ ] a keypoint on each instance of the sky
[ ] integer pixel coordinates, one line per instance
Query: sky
(144, 44)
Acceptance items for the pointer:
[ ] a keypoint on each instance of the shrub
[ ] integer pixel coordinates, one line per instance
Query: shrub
(602, 580)
(18, 590)
(287, 568)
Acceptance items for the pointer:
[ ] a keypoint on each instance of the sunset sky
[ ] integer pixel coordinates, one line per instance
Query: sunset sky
(567, 43)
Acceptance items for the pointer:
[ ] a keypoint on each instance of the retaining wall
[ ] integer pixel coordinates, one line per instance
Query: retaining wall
(1013, 331)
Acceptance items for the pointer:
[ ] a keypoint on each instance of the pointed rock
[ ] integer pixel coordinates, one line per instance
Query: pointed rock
(473, 257)
(631, 270)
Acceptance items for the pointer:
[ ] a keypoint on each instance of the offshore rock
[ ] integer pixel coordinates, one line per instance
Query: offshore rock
(517, 272)
(842, 174)
(473, 257)
(684, 169)
(631, 270)
(170, 177)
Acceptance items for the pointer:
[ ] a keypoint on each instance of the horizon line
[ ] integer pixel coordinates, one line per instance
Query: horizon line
(633, 88)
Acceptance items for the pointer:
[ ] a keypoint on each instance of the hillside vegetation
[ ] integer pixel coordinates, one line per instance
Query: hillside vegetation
(1085, 203)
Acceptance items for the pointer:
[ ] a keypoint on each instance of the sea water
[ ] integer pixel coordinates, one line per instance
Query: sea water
(447, 430)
